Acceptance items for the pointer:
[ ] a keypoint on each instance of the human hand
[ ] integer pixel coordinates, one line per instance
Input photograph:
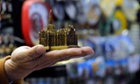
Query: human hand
(25, 60)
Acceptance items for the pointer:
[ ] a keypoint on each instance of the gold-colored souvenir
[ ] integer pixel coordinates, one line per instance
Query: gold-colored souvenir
(58, 39)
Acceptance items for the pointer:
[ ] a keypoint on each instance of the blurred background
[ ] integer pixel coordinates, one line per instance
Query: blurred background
(110, 27)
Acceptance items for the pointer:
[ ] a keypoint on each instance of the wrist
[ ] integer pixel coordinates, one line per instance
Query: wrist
(12, 71)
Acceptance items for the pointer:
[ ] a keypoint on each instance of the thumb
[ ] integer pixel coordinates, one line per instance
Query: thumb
(25, 53)
(35, 51)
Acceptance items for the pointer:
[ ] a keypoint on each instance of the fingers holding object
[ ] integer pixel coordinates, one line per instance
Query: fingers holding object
(65, 54)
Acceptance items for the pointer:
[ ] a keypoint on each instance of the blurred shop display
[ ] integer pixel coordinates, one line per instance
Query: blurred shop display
(6, 45)
(108, 7)
(34, 18)
(134, 33)
(111, 47)
(112, 63)
(5, 14)
(25, 19)
(50, 75)
(90, 71)
(7, 37)
(104, 17)
(119, 22)
(130, 8)
(110, 27)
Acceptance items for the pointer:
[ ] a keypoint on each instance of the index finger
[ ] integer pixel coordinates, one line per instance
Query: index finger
(65, 54)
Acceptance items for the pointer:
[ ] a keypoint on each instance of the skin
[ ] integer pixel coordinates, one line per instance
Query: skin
(25, 60)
